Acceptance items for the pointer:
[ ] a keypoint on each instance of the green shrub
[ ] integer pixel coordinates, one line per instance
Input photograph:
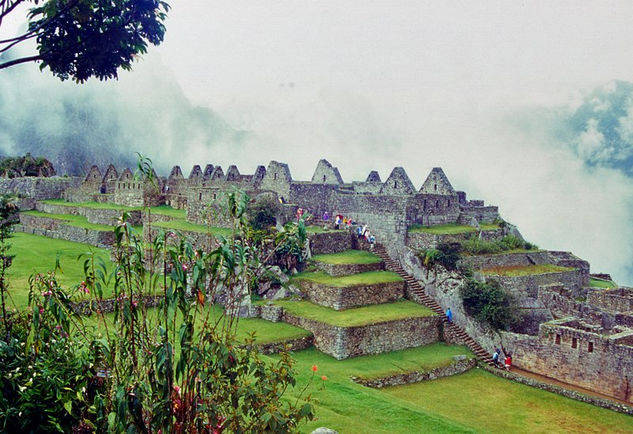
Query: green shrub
(262, 214)
(475, 246)
(489, 303)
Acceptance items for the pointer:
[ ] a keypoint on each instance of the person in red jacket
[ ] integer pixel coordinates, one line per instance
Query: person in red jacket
(508, 362)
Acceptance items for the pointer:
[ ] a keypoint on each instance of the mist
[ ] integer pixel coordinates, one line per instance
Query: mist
(520, 109)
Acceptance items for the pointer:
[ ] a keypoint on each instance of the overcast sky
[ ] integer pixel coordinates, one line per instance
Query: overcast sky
(377, 84)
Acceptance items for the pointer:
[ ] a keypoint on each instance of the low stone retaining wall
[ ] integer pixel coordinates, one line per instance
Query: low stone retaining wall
(344, 342)
(197, 239)
(528, 285)
(351, 296)
(594, 400)
(347, 269)
(424, 240)
(479, 262)
(456, 367)
(54, 228)
(87, 307)
(297, 344)
(93, 215)
(330, 242)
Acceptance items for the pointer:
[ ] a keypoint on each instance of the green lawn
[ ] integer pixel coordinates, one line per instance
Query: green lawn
(265, 331)
(180, 214)
(367, 278)
(487, 403)
(348, 257)
(180, 225)
(348, 407)
(599, 283)
(358, 316)
(525, 270)
(488, 226)
(312, 229)
(72, 220)
(93, 205)
(447, 229)
(36, 254)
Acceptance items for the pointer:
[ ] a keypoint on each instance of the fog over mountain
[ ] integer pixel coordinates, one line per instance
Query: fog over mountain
(520, 108)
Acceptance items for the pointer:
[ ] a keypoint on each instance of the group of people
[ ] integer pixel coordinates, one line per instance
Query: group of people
(507, 361)
(364, 232)
(339, 220)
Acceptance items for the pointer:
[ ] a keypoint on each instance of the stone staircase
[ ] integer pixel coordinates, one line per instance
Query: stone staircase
(421, 297)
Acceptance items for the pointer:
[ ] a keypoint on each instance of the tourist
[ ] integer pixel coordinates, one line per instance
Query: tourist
(349, 223)
(326, 217)
(299, 213)
(508, 361)
(449, 315)
(362, 234)
(495, 357)
(337, 221)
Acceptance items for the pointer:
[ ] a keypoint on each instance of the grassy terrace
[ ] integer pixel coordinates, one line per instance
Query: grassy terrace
(472, 402)
(451, 229)
(72, 220)
(265, 331)
(181, 225)
(448, 229)
(312, 229)
(92, 205)
(368, 278)
(525, 270)
(356, 317)
(37, 254)
(599, 283)
(348, 257)
(169, 211)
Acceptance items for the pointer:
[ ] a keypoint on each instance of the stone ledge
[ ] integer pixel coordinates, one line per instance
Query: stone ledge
(59, 229)
(351, 296)
(337, 270)
(456, 367)
(572, 394)
(296, 344)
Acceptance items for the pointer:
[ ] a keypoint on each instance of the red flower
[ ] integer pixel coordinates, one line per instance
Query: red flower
(315, 368)
(324, 378)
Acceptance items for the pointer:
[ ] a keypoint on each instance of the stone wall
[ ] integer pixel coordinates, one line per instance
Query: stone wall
(93, 215)
(344, 342)
(330, 242)
(479, 262)
(459, 366)
(346, 269)
(425, 240)
(527, 286)
(38, 187)
(590, 360)
(483, 214)
(351, 296)
(612, 300)
(54, 228)
(297, 344)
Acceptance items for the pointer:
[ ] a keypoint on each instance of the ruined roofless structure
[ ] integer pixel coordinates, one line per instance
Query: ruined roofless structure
(388, 207)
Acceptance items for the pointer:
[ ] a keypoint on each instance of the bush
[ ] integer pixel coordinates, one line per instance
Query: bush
(489, 303)
(262, 214)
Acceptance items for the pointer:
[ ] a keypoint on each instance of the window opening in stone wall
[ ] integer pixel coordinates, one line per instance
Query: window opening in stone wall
(424, 203)
(557, 339)
(199, 196)
(574, 343)
(323, 178)
(214, 196)
(448, 203)
(590, 347)
(395, 184)
(435, 187)
(275, 176)
(437, 204)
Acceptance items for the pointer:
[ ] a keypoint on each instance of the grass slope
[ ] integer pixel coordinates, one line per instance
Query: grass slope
(488, 403)
(348, 257)
(525, 270)
(72, 220)
(36, 254)
(367, 278)
(599, 283)
(181, 225)
(447, 229)
(348, 407)
(359, 316)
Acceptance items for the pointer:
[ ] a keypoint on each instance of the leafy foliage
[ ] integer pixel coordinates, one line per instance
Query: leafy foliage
(446, 255)
(262, 214)
(14, 167)
(80, 39)
(489, 303)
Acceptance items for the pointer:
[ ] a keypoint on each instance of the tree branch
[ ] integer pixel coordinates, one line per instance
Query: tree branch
(20, 60)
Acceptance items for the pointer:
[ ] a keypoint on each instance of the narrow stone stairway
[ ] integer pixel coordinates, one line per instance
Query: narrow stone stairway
(421, 297)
